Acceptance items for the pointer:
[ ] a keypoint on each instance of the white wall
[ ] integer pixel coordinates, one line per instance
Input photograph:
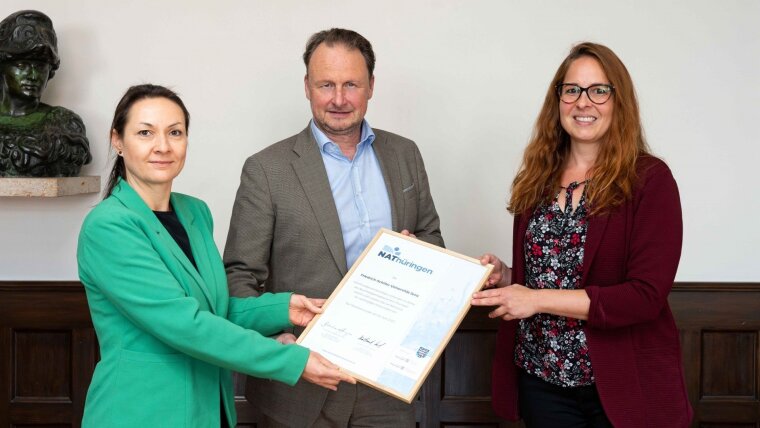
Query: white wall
(464, 78)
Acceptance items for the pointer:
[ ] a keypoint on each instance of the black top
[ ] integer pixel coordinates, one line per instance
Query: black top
(171, 222)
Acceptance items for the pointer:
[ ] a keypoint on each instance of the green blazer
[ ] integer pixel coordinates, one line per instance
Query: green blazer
(170, 334)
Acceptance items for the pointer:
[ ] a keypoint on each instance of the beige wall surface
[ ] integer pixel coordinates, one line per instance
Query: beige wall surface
(463, 78)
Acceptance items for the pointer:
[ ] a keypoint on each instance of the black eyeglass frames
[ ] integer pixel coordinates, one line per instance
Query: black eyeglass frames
(598, 93)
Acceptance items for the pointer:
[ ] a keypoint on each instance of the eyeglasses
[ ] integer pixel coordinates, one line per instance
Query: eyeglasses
(570, 93)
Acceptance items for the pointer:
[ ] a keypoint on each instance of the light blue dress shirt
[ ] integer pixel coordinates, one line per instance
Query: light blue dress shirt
(358, 189)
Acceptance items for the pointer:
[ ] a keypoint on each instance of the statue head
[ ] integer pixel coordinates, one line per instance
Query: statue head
(36, 140)
(28, 53)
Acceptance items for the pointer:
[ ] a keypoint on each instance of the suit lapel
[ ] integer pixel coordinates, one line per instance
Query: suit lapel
(389, 166)
(310, 169)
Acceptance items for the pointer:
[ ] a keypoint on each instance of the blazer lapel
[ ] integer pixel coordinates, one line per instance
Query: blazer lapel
(133, 201)
(596, 226)
(389, 165)
(312, 175)
(203, 276)
(518, 247)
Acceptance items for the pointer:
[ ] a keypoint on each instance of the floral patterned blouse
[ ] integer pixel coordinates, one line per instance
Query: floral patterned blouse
(549, 346)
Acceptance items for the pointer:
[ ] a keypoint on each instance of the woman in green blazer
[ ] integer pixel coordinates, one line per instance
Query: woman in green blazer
(169, 333)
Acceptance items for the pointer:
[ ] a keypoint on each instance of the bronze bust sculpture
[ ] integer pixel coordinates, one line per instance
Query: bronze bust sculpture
(36, 140)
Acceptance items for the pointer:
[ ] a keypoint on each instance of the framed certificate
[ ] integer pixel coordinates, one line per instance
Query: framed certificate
(393, 314)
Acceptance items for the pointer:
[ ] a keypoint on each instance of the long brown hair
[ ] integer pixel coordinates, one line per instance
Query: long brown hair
(614, 171)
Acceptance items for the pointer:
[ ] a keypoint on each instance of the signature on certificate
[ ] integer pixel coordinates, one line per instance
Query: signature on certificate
(337, 331)
(371, 341)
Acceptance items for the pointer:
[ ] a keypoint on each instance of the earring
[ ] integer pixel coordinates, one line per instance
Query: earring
(119, 152)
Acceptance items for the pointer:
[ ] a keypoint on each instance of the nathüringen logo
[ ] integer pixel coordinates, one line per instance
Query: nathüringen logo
(394, 254)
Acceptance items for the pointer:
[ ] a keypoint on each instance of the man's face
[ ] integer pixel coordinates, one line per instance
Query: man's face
(338, 86)
(25, 78)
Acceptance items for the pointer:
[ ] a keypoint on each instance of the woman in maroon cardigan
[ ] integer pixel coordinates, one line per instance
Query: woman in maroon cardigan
(588, 338)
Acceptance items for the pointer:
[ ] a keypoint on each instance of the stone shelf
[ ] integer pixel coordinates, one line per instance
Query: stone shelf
(49, 187)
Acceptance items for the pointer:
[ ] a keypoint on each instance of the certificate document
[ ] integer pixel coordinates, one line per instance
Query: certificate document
(392, 315)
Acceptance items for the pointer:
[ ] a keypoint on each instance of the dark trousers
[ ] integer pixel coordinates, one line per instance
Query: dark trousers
(544, 405)
(223, 416)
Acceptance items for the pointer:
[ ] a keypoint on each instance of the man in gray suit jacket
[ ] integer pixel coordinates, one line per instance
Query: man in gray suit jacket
(307, 207)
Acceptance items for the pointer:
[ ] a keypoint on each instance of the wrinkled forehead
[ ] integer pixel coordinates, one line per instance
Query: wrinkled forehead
(337, 58)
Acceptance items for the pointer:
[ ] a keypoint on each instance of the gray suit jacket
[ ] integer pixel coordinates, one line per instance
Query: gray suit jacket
(285, 235)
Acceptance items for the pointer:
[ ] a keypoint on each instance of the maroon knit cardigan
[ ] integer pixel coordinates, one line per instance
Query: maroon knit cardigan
(630, 262)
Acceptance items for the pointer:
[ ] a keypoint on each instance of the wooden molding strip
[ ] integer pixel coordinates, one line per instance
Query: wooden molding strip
(677, 287)
(717, 286)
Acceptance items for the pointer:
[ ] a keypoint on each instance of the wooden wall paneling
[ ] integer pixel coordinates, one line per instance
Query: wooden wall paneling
(247, 414)
(719, 326)
(473, 350)
(465, 391)
(48, 351)
(691, 345)
(42, 426)
(428, 405)
(42, 366)
(85, 354)
(751, 425)
(493, 425)
(41, 376)
(44, 304)
(5, 374)
(738, 347)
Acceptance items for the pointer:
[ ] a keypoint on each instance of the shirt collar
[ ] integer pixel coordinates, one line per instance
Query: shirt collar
(367, 135)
